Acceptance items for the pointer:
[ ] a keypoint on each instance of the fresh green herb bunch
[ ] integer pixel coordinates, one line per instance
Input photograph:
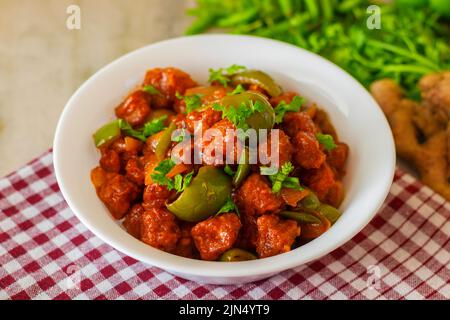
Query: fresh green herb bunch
(411, 42)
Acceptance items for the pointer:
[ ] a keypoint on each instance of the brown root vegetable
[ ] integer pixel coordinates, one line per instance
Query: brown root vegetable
(420, 131)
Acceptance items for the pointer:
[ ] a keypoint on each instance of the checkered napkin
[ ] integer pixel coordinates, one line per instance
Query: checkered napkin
(46, 253)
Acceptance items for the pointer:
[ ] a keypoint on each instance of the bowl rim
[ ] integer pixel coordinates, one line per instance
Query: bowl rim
(200, 268)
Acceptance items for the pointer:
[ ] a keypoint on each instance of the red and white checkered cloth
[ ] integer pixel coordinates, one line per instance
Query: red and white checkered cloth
(46, 253)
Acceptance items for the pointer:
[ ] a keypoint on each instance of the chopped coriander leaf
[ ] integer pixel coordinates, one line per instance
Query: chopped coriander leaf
(192, 102)
(129, 131)
(281, 178)
(237, 90)
(154, 126)
(283, 108)
(178, 182)
(159, 175)
(239, 115)
(188, 179)
(150, 128)
(327, 141)
(234, 69)
(181, 183)
(278, 179)
(216, 75)
(222, 75)
(229, 206)
(229, 171)
(151, 89)
(181, 136)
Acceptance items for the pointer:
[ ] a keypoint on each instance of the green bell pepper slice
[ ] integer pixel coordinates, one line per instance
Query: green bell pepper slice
(311, 202)
(329, 212)
(243, 169)
(235, 255)
(107, 133)
(204, 197)
(258, 78)
(300, 217)
(165, 141)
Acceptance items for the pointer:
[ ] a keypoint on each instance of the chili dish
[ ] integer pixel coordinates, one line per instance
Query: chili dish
(220, 210)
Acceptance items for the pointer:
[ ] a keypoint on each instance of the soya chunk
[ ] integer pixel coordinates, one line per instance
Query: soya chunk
(275, 236)
(255, 196)
(135, 109)
(168, 82)
(216, 235)
(159, 229)
(117, 194)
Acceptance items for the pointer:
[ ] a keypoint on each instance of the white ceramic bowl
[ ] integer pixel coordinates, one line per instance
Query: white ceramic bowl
(358, 120)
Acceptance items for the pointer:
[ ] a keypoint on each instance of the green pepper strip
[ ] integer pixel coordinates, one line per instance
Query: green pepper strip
(165, 141)
(243, 169)
(235, 255)
(107, 133)
(204, 197)
(329, 212)
(258, 78)
(300, 217)
(310, 202)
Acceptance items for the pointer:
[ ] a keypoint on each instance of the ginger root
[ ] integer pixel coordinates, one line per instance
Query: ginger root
(421, 130)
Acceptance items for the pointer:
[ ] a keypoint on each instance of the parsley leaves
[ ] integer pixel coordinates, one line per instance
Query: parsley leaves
(327, 141)
(222, 75)
(239, 115)
(283, 108)
(151, 89)
(192, 102)
(154, 126)
(149, 129)
(179, 183)
(229, 206)
(159, 175)
(281, 179)
(237, 90)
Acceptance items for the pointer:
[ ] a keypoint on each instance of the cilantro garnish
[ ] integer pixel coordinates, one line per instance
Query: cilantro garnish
(159, 175)
(187, 181)
(154, 126)
(222, 75)
(229, 206)
(239, 115)
(129, 131)
(237, 90)
(192, 102)
(281, 179)
(149, 129)
(327, 141)
(179, 183)
(151, 89)
(284, 107)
